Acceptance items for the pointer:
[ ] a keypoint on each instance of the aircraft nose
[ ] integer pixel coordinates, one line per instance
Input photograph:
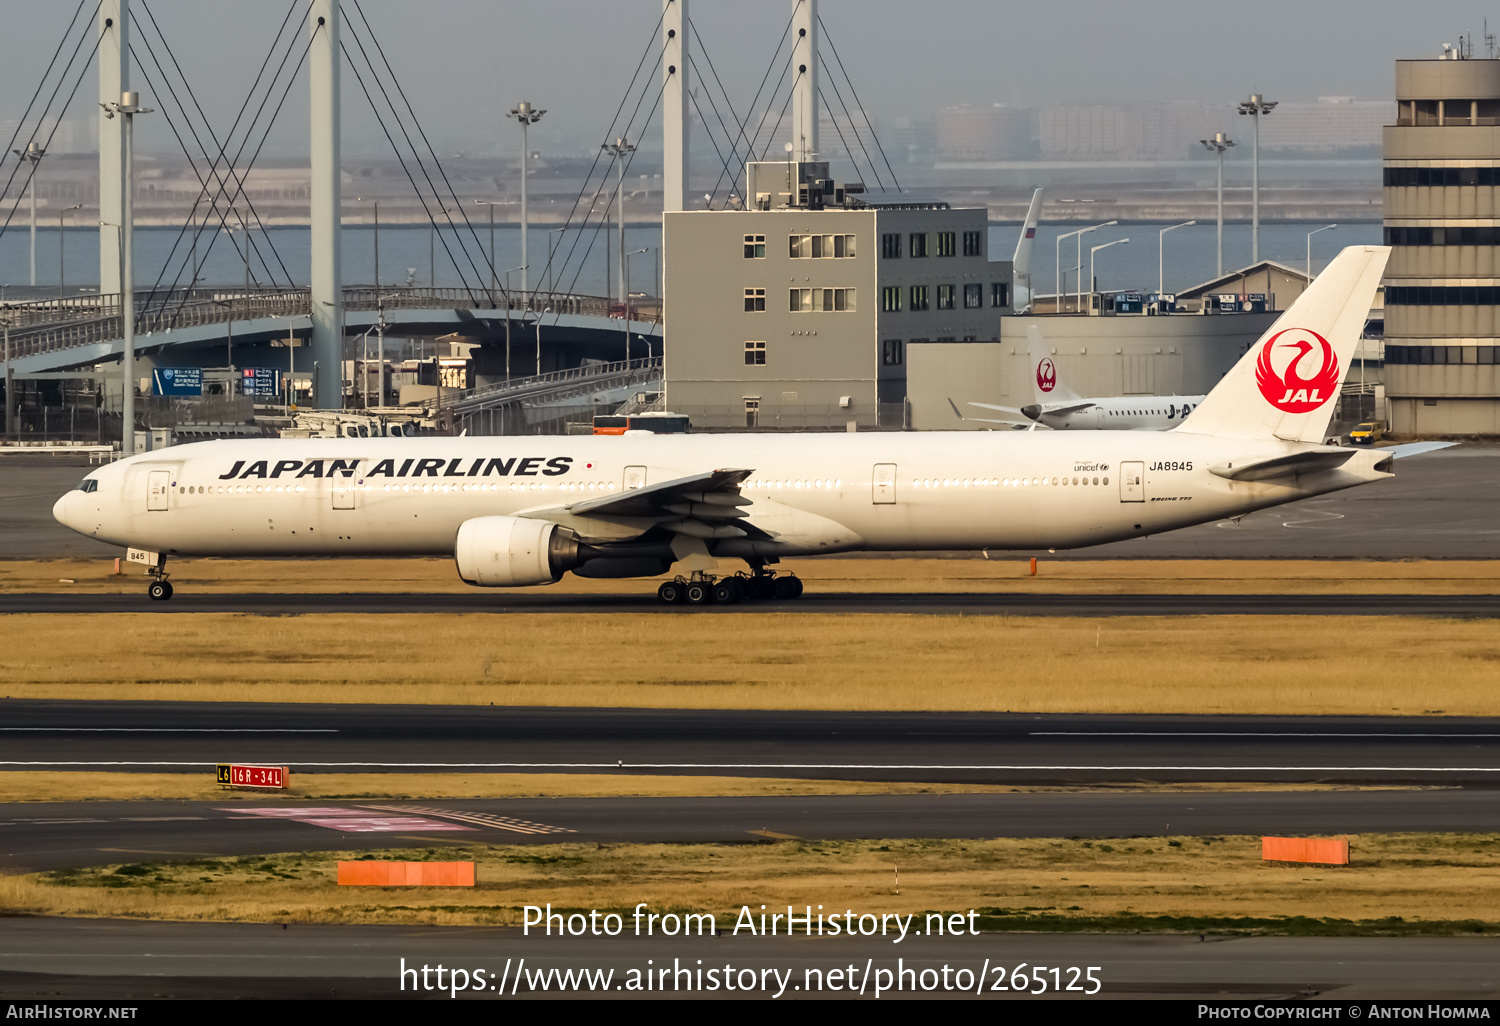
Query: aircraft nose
(60, 510)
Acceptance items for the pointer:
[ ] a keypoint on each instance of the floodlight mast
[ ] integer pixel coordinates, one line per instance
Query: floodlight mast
(1218, 144)
(526, 115)
(1257, 107)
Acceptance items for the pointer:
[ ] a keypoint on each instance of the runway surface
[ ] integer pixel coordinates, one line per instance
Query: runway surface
(999, 604)
(1438, 506)
(52, 835)
(999, 748)
(93, 959)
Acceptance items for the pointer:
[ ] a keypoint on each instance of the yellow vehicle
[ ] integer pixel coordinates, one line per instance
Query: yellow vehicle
(1367, 433)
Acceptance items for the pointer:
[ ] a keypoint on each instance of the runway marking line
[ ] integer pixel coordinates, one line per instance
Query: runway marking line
(173, 730)
(350, 820)
(1229, 733)
(519, 826)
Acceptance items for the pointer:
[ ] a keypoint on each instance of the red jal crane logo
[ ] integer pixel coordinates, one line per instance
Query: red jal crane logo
(1288, 390)
(1046, 374)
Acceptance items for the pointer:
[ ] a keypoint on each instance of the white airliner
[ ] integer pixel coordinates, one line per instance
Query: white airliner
(516, 511)
(1059, 407)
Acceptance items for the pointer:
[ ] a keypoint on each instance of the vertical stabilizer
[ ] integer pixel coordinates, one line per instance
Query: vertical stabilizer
(1021, 262)
(1046, 382)
(1285, 385)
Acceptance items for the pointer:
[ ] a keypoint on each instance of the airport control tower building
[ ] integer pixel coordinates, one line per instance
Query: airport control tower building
(1442, 216)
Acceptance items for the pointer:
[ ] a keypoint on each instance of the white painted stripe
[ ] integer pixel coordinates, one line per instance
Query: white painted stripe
(173, 730)
(814, 766)
(1229, 733)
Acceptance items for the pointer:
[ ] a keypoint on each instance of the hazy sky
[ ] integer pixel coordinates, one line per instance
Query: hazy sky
(464, 62)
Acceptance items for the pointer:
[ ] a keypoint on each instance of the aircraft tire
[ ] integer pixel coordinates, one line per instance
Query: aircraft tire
(698, 594)
(159, 591)
(786, 588)
(671, 592)
(727, 592)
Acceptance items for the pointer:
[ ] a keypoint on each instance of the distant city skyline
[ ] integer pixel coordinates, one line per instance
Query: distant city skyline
(464, 63)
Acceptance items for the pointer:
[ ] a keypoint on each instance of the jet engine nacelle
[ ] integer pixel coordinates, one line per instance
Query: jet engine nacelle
(512, 552)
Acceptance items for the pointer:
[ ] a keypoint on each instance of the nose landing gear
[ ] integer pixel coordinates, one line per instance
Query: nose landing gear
(160, 589)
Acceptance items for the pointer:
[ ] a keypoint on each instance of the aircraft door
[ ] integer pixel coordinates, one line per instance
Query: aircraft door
(344, 491)
(1132, 482)
(884, 483)
(158, 487)
(635, 477)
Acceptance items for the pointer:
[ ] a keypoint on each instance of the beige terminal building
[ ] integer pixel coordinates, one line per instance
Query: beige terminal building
(1442, 218)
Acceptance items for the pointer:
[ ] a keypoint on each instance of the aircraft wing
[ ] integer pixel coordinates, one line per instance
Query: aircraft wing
(990, 406)
(1068, 407)
(700, 506)
(1018, 422)
(1414, 448)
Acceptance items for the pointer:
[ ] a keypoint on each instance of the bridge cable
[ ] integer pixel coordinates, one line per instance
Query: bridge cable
(42, 81)
(48, 144)
(208, 126)
(250, 164)
(777, 127)
(416, 122)
(624, 98)
(604, 182)
(62, 78)
(723, 161)
(421, 197)
(750, 110)
(192, 162)
(855, 93)
(213, 235)
(847, 149)
(652, 113)
(213, 196)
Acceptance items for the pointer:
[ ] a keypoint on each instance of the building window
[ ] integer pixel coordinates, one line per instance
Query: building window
(945, 297)
(945, 244)
(891, 354)
(755, 247)
(973, 244)
(973, 296)
(821, 300)
(755, 300)
(890, 246)
(755, 354)
(918, 244)
(918, 296)
(1000, 293)
(819, 247)
(890, 298)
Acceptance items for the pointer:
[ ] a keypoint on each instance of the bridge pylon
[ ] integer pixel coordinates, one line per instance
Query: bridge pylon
(326, 206)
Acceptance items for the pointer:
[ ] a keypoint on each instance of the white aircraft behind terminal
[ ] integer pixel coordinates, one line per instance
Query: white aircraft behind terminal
(516, 511)
(1058, 407)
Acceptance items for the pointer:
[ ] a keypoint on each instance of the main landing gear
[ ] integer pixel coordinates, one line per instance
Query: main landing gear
(700, 589)
(160, 589)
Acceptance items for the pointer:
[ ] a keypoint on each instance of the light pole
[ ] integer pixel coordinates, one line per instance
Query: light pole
(432, 247)
(620, 149)
(507, 330)
(627, 257)
(1057, 257)
(492, 204)
(1218, 144)
(1326, 227)
(1257, 106)
(62, 268)
(526, 115)
(1092, 251)
(1160, 238)
(34, 153)
(128, 107)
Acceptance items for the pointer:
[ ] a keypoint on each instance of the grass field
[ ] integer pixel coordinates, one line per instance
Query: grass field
(971, 573)
(1399, 883)
(1231, 664)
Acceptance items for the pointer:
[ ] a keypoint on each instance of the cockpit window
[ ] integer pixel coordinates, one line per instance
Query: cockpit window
(88, 484)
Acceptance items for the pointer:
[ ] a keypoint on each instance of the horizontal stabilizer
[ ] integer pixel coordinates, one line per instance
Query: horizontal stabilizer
(1397, 452)
(1283, 466)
